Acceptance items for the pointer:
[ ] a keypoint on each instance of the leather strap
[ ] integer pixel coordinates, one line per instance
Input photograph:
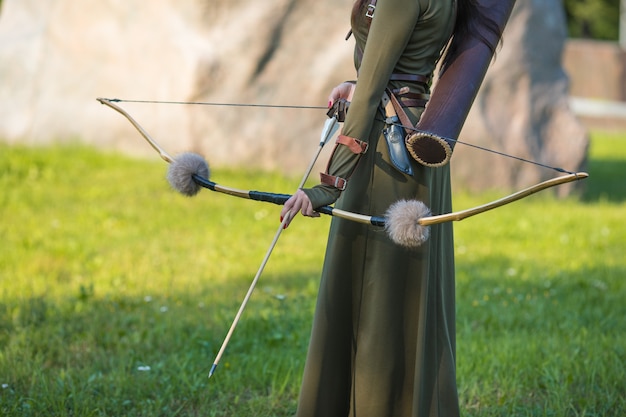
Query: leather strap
(355, 145)
(404, 119)
(412, 102)
(337, 182)
(400, 93)
(390, 111)
(408, 99)
(369, 12)
(418, 78)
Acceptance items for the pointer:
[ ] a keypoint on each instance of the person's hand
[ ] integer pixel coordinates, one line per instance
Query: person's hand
(299, 202)
(342, 91)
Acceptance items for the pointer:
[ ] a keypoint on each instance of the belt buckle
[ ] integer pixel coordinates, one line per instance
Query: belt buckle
(340, 183)
(370, 11)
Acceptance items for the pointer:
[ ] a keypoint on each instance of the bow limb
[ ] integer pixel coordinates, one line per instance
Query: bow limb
(169, 159)
(164, 155)
(378, 221)
(460, 215)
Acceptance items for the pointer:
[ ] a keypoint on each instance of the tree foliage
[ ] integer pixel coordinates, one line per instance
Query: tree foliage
(593, 19)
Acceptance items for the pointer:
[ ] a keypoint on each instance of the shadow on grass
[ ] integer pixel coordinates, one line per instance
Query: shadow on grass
(492, 296)
(606, 181)
(130, 355)
(537, 346)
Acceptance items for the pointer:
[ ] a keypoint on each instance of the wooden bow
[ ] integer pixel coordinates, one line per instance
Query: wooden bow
(361, 218)
(463, 214)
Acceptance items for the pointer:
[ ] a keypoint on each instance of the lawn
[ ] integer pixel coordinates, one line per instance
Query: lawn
(116, 293)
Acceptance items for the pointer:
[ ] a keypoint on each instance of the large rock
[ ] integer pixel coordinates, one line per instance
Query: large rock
(57, 56)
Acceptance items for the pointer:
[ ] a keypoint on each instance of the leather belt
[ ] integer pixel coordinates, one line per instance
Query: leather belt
(409, 99)
(418, 78)
(413, 102)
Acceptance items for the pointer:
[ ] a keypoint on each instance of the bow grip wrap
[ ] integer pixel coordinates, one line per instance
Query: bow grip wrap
(456, 89)
(278, 199)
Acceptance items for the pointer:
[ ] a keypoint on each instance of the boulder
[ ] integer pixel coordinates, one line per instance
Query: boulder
(58, 56)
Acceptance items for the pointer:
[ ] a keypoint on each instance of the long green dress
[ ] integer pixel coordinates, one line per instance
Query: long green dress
(383, 336)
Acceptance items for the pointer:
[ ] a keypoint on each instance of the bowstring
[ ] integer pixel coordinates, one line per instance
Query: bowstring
(279, 106)
(482, 148)
(204, 103)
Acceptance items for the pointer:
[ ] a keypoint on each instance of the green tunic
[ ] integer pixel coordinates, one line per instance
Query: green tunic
(383, 337)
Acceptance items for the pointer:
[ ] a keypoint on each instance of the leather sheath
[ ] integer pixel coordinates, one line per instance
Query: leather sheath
(394, 136)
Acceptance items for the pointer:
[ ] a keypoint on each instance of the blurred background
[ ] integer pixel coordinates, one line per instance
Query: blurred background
(559, 71)
(116, 292)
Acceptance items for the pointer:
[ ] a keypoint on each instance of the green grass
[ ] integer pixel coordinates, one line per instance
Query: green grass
(116, 293)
